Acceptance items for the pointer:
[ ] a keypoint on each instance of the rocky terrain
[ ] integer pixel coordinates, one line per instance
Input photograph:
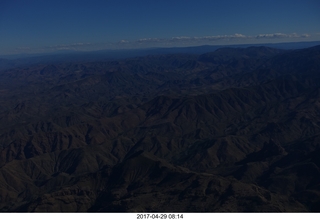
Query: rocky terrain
(234, 130)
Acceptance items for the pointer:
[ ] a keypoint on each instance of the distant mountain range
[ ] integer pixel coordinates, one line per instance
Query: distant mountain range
(232, 129)
(23, 60)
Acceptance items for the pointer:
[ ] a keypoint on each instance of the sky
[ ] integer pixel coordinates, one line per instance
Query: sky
(43, 26)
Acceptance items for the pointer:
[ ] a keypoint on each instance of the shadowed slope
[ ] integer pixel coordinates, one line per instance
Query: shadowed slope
(233, 130)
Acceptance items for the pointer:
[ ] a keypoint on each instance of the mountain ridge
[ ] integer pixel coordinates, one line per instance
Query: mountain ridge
(235, 130)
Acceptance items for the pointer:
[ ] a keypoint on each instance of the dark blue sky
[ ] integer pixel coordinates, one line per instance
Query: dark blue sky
(33, 26)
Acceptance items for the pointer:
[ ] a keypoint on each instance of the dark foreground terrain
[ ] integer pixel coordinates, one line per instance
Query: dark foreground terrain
(235, 130)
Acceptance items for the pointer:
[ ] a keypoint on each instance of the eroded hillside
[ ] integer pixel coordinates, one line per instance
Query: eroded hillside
(235, 130)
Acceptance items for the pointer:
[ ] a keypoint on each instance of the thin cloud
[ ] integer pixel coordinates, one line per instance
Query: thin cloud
(80, 46)
(305, 35)
(74, 46)
(281, 35)
(191, 39)
(149, 40)
(169, 42)
(179, 41)
(23, 48)
(123, 42)
(237, 36)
